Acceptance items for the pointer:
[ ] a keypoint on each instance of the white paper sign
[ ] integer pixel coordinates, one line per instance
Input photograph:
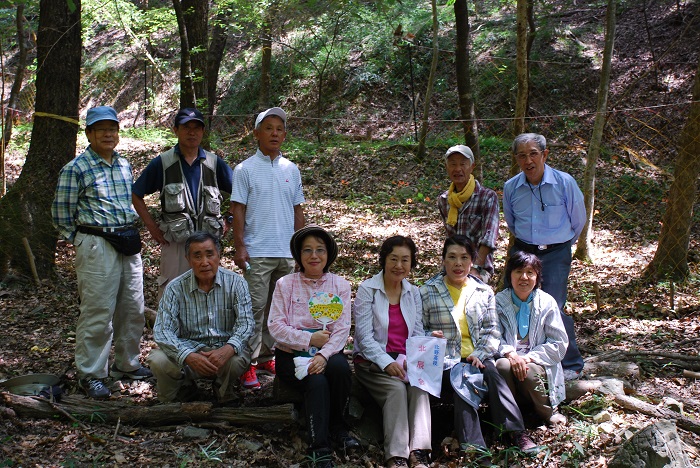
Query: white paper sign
(424, 356)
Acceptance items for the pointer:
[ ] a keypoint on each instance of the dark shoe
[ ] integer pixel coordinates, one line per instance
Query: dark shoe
(345, 441)
(525, 443)
(94, 388)
(419, 459)
(138, 374)
(395, 462)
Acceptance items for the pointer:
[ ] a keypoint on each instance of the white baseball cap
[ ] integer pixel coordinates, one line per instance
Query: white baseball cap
(272, 111)
(461, 149)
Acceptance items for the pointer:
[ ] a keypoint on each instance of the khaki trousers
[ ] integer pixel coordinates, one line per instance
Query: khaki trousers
(173, 263)
(110, 286)
(171, 376)
(531, 391)
(405, 412)
(262, 277)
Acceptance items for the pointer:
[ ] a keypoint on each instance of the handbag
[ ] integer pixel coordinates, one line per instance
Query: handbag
(125, 242)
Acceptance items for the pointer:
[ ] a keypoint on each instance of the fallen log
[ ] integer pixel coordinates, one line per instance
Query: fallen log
(691, 374)
(111, 412)
(634, 404)
(575, 389)
(624, 369)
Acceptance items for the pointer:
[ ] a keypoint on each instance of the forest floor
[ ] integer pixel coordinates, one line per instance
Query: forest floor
(612, 307)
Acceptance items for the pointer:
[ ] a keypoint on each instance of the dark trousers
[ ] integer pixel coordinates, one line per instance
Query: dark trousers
(504, 411)
(556, 266)
(326, 396)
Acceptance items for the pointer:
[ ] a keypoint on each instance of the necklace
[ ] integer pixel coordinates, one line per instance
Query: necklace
(539, 199)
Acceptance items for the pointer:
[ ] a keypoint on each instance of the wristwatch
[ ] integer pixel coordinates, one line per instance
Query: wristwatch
(228, 217)
(479, 269)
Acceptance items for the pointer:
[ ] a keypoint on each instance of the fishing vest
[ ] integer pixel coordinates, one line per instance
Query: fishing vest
(183, 212)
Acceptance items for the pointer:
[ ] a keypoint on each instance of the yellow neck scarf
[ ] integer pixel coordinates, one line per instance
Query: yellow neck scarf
(457, 199)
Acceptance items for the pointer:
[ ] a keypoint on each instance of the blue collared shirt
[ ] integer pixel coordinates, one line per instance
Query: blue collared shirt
(91, 192)
(562, 218)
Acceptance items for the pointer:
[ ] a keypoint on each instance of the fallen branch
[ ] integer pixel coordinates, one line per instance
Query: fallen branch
(111, 412)
(691, 374)
(633, 404)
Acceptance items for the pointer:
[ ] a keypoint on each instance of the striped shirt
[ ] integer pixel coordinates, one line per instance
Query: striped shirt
(190, 319)
(270, 189)
(91, 192)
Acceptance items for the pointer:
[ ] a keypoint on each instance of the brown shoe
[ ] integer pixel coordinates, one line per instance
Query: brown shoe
(419, 459)
(397, 462)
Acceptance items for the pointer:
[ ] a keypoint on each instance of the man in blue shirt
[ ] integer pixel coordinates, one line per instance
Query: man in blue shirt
(544, 210)
(190, 181)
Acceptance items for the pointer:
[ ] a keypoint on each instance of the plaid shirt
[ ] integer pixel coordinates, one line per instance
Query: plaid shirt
(477, 219)
(189, 319)
(480, 309)
(90, 192)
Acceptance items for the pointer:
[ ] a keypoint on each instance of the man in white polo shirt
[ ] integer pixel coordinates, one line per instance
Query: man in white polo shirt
(266, 208)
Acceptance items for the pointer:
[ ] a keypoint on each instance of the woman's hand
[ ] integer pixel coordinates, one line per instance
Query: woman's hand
(519, 365)
(320, 338)
(395, 370)
(476, 362)
(437, 334)
(317, 364)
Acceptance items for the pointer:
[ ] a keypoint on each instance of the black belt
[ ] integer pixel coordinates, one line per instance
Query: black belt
(102, 230)
(531, 248)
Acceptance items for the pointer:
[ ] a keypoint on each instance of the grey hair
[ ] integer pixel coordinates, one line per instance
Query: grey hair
(528, 137)
(199, 237)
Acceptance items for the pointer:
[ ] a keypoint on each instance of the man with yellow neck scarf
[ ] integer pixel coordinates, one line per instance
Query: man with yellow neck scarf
(470, 209)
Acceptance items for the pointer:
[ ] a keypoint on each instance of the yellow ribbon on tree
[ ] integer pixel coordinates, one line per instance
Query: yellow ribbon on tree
(457, 199)
(54, 116)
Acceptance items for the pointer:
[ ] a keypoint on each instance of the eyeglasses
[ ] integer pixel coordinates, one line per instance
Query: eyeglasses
(105, 131)
(532, 154)
(318, 252)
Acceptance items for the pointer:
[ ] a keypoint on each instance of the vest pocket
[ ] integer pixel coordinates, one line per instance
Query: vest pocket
(178, 229)
(174, 197)
(212, 200)
(212, 225)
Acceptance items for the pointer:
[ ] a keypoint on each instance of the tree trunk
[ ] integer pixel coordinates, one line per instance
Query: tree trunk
(584, 243)
(14, 95)
(195, 14)
(26, 211)
(112, 412)
(265, 63)
(521, 67)
(671, 257)
(464, 85)
(429, 91)
(217, 47)
(187, 96)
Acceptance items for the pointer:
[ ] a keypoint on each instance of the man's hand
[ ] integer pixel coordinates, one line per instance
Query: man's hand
(201, 365)
(476, 362)
(219, 356)
(317, 364)
(320, 338)
(241, 257)
(157, 234)
(519, 365)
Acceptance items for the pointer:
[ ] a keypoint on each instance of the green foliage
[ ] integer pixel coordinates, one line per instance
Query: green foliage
(212, 454)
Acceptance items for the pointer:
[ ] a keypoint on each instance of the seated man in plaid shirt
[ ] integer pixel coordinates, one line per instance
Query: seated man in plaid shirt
(470, 209)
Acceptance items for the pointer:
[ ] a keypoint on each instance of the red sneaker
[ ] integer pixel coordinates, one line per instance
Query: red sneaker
(268, 366)
(249, 379)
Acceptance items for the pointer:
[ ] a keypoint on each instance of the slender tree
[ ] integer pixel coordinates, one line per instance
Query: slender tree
(187, 96)
(25, 212)
(429, 91)
(671, 257)
(464, 84)
(584, 244)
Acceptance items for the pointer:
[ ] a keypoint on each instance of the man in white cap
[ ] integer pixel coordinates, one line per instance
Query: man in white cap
(191, 181)
(266, 207)
(470, 209)
(92, 209)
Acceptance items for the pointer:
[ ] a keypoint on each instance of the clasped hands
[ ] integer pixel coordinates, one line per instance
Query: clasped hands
(208, 363)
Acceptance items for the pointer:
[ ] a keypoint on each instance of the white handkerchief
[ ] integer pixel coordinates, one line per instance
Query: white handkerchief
(301, 366)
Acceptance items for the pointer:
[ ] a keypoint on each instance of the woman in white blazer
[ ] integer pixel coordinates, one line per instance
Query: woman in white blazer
(388, 311)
